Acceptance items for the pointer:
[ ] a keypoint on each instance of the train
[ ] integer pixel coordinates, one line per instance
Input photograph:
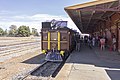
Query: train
(57, 40)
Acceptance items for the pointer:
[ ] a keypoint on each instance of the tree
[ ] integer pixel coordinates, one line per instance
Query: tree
(1, 32)
(34, 32)
(23, 31)
(13, 30)
(5, 32)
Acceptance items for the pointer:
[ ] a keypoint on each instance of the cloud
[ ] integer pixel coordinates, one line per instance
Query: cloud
(5, 12)
(32, 20)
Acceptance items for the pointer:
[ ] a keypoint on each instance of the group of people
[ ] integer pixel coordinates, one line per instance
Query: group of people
(93, 41)
(103, 42)
(100, 41)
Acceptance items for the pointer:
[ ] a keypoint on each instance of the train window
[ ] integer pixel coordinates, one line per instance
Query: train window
(54, 36)
(64, 36)
(45, 36)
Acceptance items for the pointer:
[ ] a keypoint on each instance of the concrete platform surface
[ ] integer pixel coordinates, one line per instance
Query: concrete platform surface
(91, 64)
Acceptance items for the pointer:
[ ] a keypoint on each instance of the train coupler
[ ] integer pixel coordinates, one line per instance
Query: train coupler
(54, 57)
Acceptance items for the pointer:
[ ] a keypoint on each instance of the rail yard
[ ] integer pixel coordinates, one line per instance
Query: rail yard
(13, 52)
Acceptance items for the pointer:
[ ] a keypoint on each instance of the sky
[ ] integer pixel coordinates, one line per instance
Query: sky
(32, 12)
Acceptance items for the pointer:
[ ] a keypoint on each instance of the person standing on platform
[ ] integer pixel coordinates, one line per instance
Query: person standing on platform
(93, 41)
(102, 43)
(114, 43)
(106, 41)
(77, 42)
(90, 42)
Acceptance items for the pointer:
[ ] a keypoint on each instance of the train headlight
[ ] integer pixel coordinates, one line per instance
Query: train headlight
(44, 51)
(62, 53)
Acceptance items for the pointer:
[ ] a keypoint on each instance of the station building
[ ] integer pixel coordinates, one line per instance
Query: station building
(99, 18)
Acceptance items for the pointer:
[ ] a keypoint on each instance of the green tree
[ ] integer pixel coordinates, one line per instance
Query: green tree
(5, 32)
(13, 30)
(23, 31)
(34, 32)
(1, 32)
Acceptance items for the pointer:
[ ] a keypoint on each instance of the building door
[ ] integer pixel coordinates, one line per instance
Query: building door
(118, 36)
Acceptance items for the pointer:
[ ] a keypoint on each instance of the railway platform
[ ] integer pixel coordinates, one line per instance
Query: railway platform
(91, 64)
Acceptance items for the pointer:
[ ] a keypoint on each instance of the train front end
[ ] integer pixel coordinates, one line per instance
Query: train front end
(53, 42)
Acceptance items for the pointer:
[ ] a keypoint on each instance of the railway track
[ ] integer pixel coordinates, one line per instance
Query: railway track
(43, 72)
(17, 50)
(18, 47)
(8, 47)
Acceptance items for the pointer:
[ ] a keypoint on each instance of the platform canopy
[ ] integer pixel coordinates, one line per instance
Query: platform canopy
(87, 15)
